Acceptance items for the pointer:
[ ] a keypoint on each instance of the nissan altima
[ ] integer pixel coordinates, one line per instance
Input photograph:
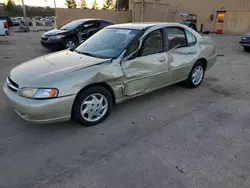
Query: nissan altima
(115, 64)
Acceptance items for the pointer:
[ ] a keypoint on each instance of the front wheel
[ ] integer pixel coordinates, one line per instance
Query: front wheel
(246, 49)
(92, 106)
(196, 75)
(71, 43)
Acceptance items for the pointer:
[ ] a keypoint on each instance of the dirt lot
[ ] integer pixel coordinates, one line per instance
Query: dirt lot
(175, 137)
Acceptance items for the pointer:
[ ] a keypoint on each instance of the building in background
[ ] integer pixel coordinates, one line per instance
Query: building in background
(231, 16)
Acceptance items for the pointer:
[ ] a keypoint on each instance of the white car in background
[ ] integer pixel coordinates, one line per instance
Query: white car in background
(4, 28)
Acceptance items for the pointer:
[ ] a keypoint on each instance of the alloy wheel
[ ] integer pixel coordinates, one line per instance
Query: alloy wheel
(94, 107)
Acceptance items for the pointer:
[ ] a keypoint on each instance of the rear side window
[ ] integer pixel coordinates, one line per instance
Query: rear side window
(191, 39)
(2, 18)
(176, 37)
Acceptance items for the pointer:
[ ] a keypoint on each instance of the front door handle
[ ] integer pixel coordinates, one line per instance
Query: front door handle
(162, 59)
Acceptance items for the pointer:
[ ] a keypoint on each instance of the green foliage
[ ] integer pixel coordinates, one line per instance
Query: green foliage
(10, 6)
(109, 5)
(83, 4)
(70, 3)
(95, 5)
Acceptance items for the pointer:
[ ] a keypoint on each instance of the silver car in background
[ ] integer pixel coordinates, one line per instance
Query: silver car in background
(118, 63)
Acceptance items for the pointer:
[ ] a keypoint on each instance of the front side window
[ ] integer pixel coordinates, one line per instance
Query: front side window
(191, 39)
(107, 43)
(72, 25)
(176, 38)
(153, 44)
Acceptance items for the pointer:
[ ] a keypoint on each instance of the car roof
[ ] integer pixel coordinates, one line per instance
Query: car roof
(92, 19)
(143, 25)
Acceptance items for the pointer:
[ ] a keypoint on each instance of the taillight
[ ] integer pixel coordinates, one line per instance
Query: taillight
(5, 25)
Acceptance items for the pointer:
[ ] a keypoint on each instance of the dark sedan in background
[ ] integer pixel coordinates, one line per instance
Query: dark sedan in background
(245, 42)
(72, 34)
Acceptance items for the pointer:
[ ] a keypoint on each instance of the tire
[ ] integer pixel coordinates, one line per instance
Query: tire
(246, 49)
(199, 68)
(70, 42)
(81, 112)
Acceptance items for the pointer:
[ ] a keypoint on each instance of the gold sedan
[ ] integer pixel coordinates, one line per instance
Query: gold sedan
(117, 63)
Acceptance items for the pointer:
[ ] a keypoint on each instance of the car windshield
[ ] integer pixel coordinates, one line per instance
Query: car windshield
(71, 25)
(107, 43)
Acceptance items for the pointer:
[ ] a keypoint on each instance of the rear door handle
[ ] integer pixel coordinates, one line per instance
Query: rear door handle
(162, 59)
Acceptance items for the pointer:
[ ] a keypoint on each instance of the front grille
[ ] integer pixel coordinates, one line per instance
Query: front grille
(45, 38)
(12, 85)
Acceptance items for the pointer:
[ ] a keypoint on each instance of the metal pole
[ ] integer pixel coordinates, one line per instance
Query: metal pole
(25, 17)
(55, 13)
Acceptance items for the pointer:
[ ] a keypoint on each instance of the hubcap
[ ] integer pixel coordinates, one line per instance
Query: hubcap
(94, 107)
(197, 75)
(70, 44)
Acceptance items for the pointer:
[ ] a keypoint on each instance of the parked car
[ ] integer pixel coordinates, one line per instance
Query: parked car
(245, 42)
(15, 21)
(4, 27)
(116, 64)
(72, 34)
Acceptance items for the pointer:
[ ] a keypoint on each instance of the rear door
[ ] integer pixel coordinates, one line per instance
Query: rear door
(182, 52)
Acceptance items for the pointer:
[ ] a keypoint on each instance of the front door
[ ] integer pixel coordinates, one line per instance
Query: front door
(149, 69)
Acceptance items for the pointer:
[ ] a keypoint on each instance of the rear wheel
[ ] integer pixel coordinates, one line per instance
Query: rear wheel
(92, 106)
(196, 75)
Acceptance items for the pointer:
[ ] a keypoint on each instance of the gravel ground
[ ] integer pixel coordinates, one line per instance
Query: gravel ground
(175, 137)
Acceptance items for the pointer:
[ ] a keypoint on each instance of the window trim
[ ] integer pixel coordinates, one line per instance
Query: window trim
(176, 27)
(162, 45)
(193, 43)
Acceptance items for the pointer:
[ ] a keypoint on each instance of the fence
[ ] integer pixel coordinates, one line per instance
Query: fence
(65, 16)
(147, 11)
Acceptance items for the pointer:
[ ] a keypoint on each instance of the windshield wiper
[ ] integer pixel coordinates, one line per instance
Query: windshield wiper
(86, 53)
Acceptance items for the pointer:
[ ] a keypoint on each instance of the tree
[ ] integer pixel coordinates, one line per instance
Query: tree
(109, 5)
(10, 5)
(123, 4)
(70, 3)
(95, 5)
(83, 4)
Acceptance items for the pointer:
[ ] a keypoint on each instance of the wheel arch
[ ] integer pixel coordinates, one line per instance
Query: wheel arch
(100, 84)
(204, 61)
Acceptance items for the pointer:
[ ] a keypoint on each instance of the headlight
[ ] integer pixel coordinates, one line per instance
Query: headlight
(38, 93)
(56, 37)
(244, 38)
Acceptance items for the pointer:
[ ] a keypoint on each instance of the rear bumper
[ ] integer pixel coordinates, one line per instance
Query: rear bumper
(53, 45)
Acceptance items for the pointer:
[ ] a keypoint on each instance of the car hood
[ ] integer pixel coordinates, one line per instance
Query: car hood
(46, 69)
(247, 35)
(55, 32)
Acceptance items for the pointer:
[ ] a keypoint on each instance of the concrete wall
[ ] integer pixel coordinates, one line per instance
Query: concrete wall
(203, 8)
(237, 22)
(65, 16)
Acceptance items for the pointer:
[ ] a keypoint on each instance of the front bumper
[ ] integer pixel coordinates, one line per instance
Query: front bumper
(245, 43)
(40, 111)
(53, 45)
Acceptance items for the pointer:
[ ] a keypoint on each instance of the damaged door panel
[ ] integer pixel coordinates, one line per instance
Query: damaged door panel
(182, 53)
(149, 70)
